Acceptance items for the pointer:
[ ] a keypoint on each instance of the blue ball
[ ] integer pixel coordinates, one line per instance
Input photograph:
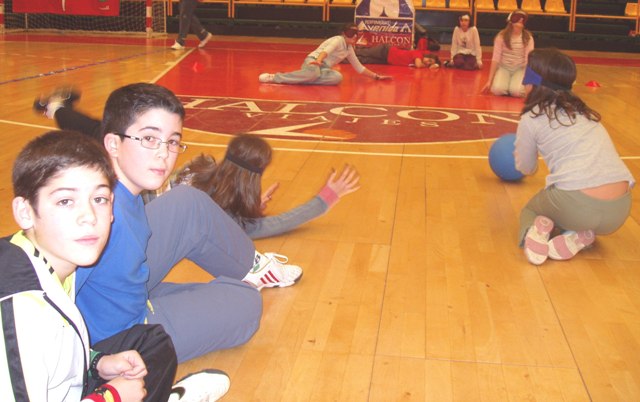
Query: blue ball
(501, 158)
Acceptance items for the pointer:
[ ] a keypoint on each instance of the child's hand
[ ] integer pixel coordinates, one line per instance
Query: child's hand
(128, 364)
(129, 390)
(346, 183)
(267, 195)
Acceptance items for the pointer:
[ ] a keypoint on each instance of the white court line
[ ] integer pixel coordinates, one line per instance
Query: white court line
(331, 151)
(320, 151)
(389, 154)
(171, 65)
(17, 123)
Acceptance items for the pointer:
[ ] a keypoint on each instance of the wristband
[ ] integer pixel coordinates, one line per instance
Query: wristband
(104, 393)
(328, 196)
(93, 367)
(94, 397)
(110, 393)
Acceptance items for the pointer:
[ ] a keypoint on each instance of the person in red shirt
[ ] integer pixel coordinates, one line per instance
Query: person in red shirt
(388, 54)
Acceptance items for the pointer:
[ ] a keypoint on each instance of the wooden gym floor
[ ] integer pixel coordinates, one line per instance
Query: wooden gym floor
(413, 287)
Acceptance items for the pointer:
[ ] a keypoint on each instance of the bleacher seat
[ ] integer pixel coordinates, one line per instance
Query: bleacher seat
(555, 6)
(485, 5)
(437, 3)
(458, 3)
(507, 5)
(531, 5)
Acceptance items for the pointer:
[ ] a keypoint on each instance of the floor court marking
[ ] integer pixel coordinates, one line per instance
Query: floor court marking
(364, 153)
(344, 103)
(323, 151)
(82, 66)
(273, 133)
(171, 66)
(17, 123)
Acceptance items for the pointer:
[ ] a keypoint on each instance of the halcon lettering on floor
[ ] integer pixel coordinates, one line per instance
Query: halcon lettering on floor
(344, 122)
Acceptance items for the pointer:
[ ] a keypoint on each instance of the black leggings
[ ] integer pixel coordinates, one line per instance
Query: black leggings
(69, 119)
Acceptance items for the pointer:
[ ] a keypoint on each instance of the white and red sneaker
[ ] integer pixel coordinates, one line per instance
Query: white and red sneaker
(270, 270)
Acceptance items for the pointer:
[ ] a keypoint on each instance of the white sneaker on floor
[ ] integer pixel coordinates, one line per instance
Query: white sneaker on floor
(177, 46)
(60, 97)
(265, 78)
(203, 386)
(270, 270)
(203, 42)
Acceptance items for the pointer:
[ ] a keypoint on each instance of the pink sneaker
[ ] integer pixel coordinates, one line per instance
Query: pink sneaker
(568, 244)
(536, 247)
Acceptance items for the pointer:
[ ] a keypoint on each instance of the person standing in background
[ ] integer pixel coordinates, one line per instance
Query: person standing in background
(189, 22)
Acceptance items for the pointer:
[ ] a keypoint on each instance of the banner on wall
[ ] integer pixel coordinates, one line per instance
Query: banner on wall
(385, 22)
(68, 7)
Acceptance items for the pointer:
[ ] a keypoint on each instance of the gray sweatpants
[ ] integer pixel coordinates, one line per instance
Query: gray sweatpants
(310, 74)
(200, 317)
(574, 210)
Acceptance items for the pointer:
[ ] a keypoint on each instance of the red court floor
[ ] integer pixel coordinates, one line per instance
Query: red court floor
(219, 86)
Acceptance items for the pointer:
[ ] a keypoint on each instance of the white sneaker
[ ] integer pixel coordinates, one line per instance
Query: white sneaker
(177, 46)
(265, 78)
(60, 97)
(203, 42)
(203, 386)
(270, 271)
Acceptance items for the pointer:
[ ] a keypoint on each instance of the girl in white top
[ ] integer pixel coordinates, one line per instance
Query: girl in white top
(317, 66)
(511, 48)
(587, 190)
(466, 52)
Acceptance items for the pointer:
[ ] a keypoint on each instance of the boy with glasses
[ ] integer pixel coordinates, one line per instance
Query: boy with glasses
(141, 130)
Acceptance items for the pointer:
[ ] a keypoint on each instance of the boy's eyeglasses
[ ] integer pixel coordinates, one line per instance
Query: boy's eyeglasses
(151, 142)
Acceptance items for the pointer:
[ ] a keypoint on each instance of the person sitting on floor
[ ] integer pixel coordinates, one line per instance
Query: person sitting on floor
(396, 56)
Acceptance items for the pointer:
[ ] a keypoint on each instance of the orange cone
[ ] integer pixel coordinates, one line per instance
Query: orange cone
(593, 84)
